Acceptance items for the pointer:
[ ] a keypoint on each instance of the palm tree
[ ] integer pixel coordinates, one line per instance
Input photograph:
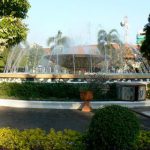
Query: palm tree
(58, 40)
(105, 38)
(102, 39)
(105, 41)
(57, 43)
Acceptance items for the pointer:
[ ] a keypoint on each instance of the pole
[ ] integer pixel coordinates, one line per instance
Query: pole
(106, 64)
(91, 62)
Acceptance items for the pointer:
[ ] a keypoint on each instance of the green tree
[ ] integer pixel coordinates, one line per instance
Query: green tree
(145, 48)
(15, 8)
(22, 56)
(34, 56)
(105, 45)
(58, 40)
(57, 43)
(12, 29)
(106, 39)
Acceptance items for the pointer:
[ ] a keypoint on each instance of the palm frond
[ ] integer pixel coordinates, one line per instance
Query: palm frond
(50, 40)
(102, 36)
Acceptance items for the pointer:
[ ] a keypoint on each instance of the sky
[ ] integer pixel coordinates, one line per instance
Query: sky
(81, 19)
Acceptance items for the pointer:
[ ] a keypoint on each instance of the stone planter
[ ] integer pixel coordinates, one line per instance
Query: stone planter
(86, 95)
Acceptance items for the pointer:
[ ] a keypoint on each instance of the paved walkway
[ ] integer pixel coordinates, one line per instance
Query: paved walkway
(143, 114)
(44, 118)
(147, 113)
(32, 114)
(25, 118)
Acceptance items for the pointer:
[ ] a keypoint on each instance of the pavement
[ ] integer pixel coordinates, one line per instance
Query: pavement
(25, 116)
(143, 110)
(146, 113)
(59, 119)
(143, 113)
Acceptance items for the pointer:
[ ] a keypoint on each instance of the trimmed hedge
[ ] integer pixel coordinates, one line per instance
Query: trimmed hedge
(52, 91)
(31, 90)
(148, 91)
(113, 128)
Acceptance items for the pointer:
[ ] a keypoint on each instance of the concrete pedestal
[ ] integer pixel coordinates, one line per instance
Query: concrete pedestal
(132, 91)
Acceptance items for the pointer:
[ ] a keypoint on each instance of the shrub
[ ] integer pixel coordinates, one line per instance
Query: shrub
(148, 91)
(37, 139)
(112, 128)
(32, 139)
(9, 139)
(66, 140)
(143, 141)
(31, 90)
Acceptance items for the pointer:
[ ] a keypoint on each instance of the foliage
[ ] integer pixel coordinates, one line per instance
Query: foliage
(145, 48)
(58, 40)
(105, 45)
(106, 39)
(12, 30)
(3, 59)
(23, 56)
(37, 139)
(113, 128)
(148, 91)
(30, 90)
(143, 141)
(9, 139)
(34, 56)
(64, 91)
(32, 139)
(97, 84)
(16, 8)
(66, 140)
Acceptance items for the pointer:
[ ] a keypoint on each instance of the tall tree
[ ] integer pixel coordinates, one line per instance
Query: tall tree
(58, 40)
(34, 56)
(145, 48)
(105, 41)
(15, 8)
(22, 56)
(12, 29)
(12, 32)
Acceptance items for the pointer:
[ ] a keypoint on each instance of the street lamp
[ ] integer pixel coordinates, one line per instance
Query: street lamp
(125, 26)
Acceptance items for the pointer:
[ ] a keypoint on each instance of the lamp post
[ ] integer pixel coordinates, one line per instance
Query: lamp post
(125, 26)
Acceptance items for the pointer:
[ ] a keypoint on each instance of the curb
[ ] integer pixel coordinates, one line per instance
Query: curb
(141, 113)
(68, 105)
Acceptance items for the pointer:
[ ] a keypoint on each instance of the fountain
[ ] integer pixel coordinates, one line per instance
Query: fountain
(67, 63)
(73, 59)
(118, 61)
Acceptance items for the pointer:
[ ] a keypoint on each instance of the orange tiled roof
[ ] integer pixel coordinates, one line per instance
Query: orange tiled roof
(81, 49)
(47, 50)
